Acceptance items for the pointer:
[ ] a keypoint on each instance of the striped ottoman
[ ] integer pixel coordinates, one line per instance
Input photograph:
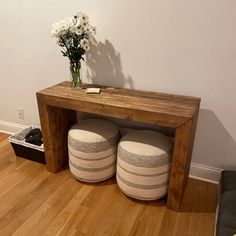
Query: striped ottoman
(92, 146)
(143, 164)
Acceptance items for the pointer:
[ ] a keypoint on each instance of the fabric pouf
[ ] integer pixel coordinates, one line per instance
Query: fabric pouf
(143, 163)
(92, 146)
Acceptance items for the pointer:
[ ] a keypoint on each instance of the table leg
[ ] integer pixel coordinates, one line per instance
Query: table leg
(55, 123)
(181, 158)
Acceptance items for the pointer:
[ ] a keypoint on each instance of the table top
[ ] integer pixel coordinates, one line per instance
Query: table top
(150, 107)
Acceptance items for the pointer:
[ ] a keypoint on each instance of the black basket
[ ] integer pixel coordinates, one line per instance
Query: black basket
(27, 150)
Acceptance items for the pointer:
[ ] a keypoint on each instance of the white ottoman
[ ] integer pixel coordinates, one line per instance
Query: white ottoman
(92, 146)
(143, 163)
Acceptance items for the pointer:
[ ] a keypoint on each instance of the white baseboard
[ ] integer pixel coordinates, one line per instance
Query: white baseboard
(10, 128)
(197, 171)
(205, 173)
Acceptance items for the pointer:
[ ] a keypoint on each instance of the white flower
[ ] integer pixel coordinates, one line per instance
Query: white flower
(73, 34)
(93, 30)
(61, 27)
(77, 15)
(84, 24)
(83, 18)
(89, 30)
(86, 47)
(84, 42)
(79, 30)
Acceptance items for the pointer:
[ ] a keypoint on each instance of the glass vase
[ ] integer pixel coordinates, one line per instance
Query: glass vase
(76, 82)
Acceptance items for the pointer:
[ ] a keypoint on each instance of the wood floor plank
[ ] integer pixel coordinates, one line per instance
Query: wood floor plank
(25, 208)
(70, 229)
(201, 223)
(20, 176)
(128, 218)
(69, 212)
(108, 225)
(6, 154)
(46, 213)
(10, 198)
(97, 206)
(9, 167)
(168, 223)
(34, 201)
(3, 136)
(196, 200)
(149, 221)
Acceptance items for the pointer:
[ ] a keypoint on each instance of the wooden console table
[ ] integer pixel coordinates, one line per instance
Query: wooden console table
(57, 109)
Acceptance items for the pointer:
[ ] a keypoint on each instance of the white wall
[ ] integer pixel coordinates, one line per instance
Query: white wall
(183, 47)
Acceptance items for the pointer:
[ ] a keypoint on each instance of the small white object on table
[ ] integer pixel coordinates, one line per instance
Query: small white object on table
(93, 90)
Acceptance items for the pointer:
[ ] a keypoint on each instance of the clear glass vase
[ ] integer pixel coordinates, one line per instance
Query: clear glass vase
(76, 82)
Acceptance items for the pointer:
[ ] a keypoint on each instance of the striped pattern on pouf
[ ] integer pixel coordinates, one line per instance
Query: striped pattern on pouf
(143, 163)
(92, 146)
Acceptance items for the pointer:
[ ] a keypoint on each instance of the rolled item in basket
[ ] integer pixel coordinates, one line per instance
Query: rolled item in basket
(34, 136)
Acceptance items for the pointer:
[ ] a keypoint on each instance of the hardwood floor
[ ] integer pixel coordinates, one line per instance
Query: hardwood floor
(36, 202)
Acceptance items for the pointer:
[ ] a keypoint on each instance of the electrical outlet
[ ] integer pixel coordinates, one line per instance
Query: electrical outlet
(20, 112)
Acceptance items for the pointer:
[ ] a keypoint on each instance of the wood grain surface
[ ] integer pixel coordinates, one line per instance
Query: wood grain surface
(149, 107)
(34, 201)
(57, 106)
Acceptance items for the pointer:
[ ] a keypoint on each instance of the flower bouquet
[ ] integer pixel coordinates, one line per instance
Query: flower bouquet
(73, 36)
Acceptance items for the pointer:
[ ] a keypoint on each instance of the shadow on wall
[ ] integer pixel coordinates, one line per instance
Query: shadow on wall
(214, 146)
(104, 66)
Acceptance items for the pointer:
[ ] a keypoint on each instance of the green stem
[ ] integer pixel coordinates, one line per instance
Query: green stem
(75, 75)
